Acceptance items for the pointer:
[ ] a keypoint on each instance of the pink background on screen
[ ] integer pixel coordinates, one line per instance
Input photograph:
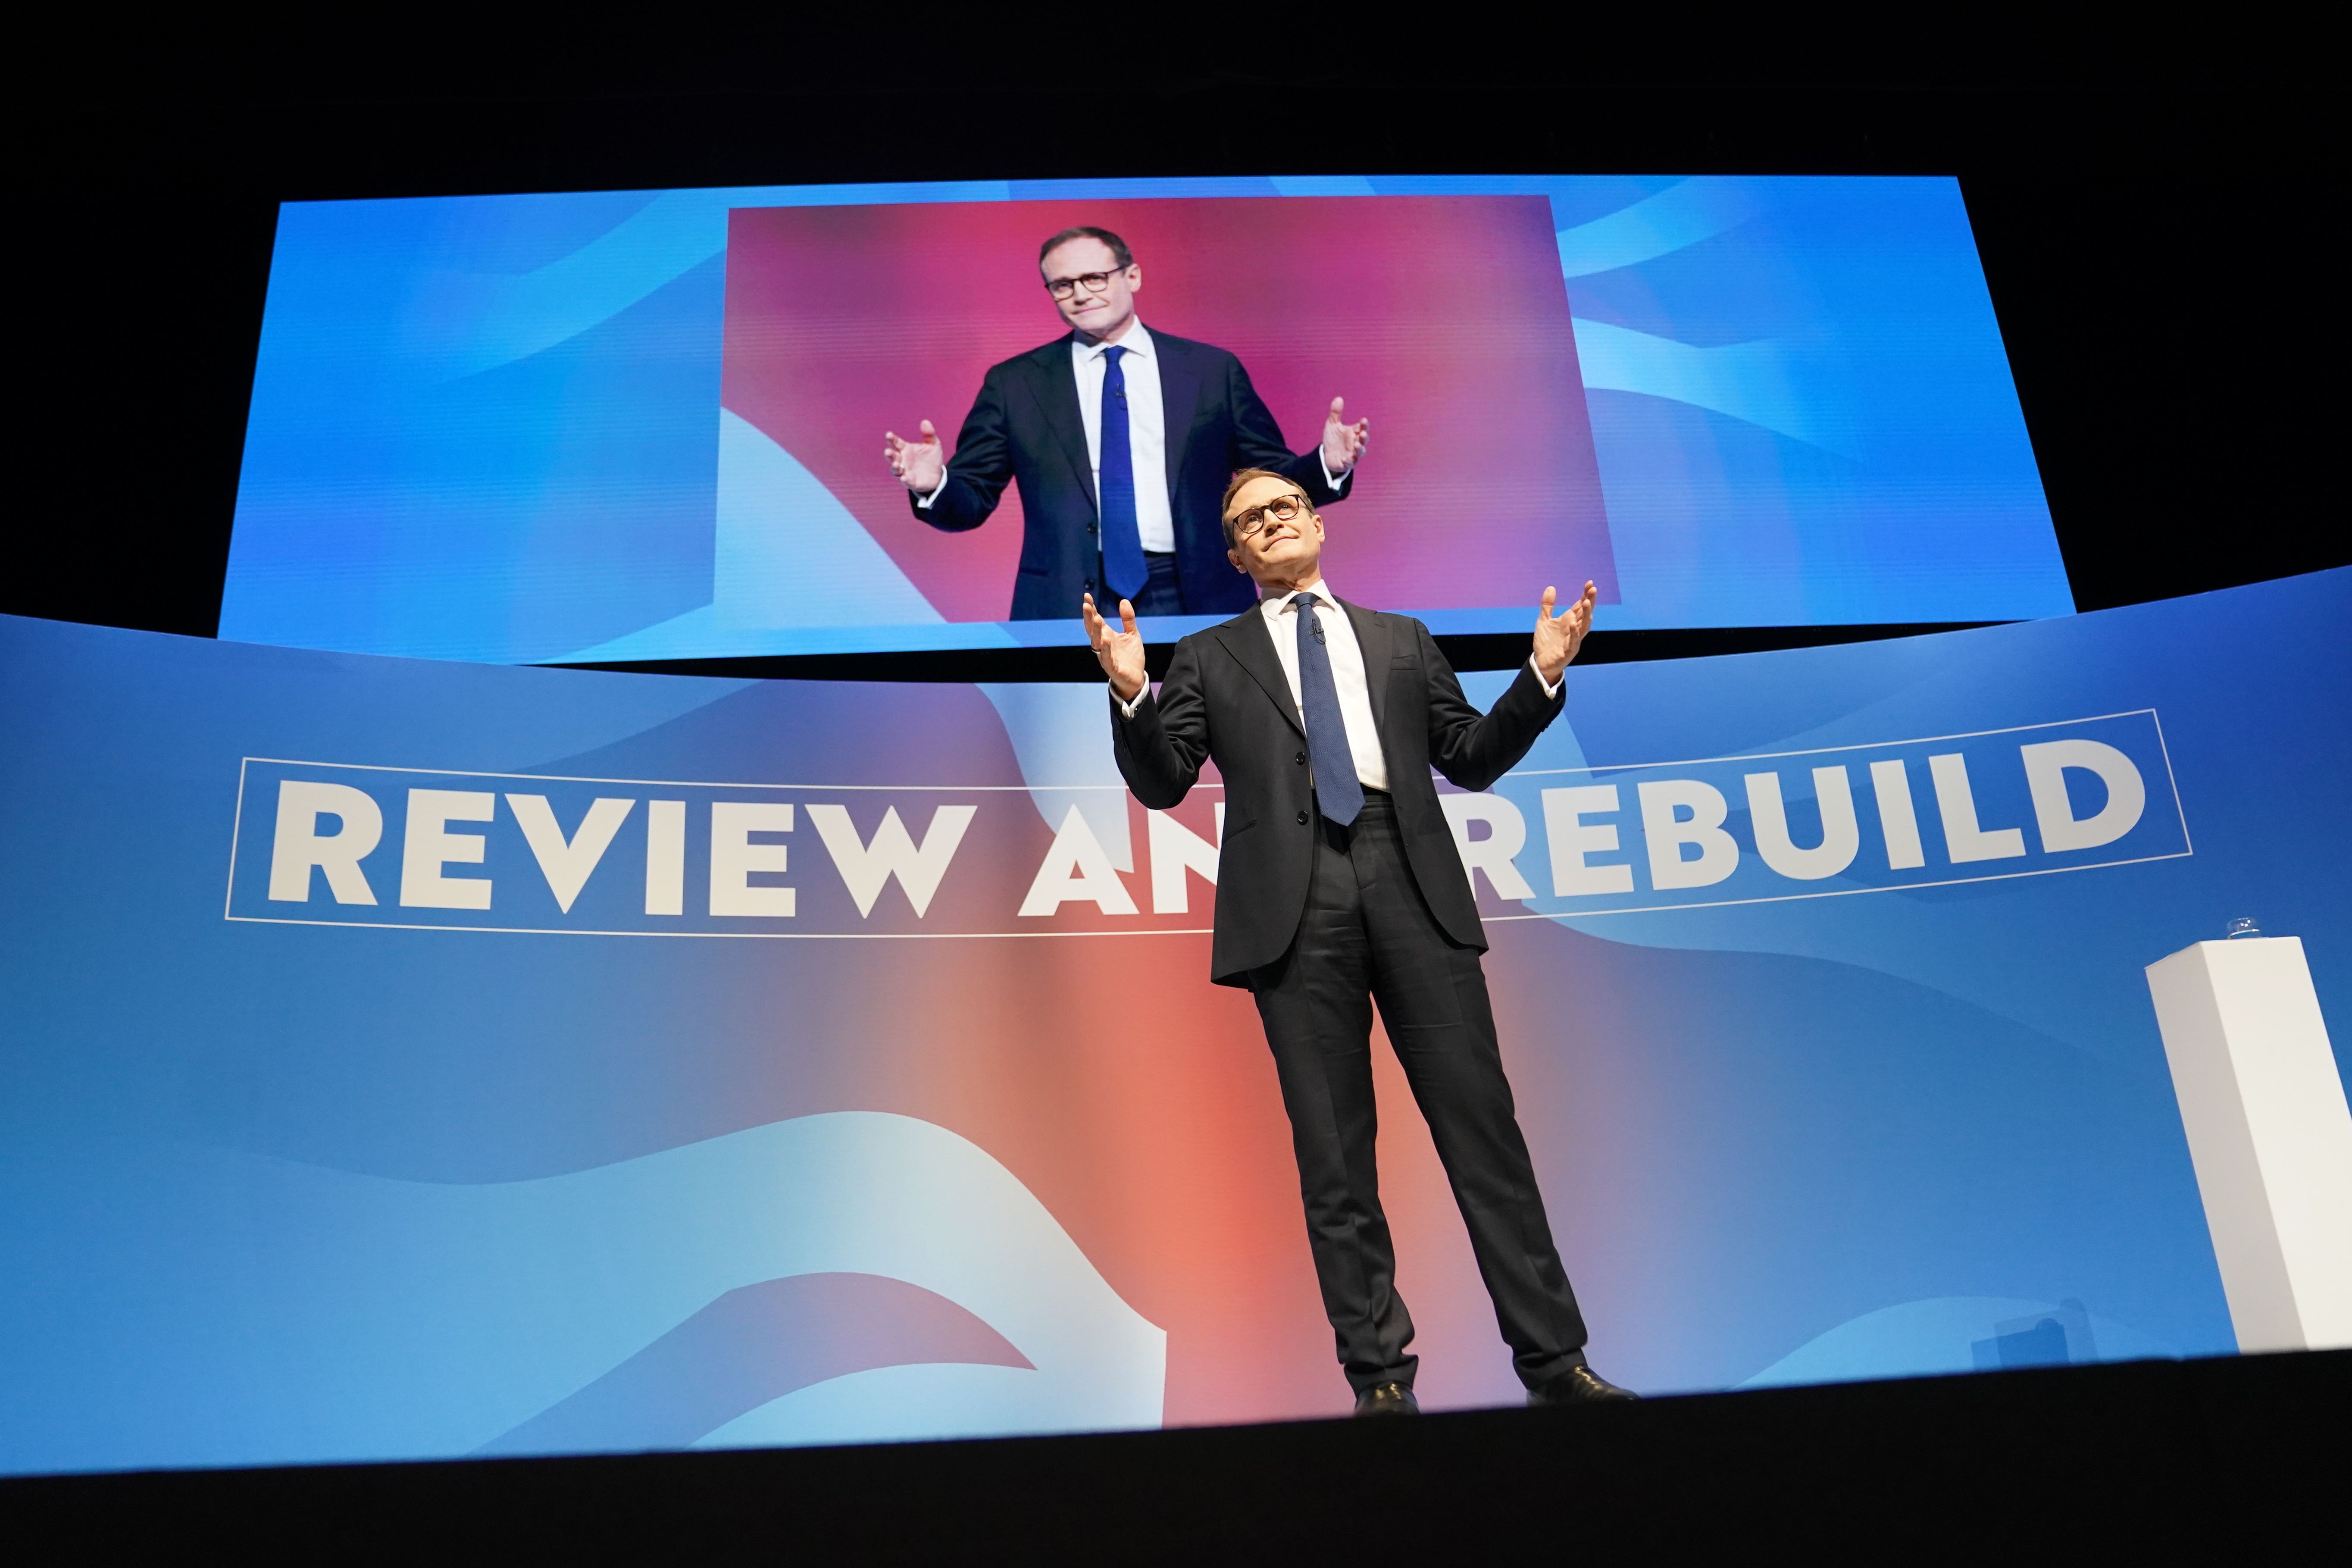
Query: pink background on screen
(1442, 319)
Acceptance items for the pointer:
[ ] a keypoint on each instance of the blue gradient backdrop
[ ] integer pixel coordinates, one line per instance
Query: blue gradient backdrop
(275, 1192)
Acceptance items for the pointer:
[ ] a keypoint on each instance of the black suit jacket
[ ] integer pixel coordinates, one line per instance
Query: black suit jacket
(1226, 699)
(1025, 427)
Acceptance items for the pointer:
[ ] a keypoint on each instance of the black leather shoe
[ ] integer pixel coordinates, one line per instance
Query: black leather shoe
(1577, 1385)
(1387, 1399)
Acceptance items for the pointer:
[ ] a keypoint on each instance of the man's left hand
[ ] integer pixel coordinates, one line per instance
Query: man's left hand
(1559, 636)
(1343, 443)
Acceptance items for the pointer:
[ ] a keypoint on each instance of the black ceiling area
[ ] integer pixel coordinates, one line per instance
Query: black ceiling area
(2153, 215)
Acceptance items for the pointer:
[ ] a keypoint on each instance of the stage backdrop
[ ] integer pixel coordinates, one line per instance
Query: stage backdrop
(421, 1059)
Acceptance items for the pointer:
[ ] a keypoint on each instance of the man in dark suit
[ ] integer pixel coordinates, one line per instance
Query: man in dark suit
(1338, 886)
(1121, 441)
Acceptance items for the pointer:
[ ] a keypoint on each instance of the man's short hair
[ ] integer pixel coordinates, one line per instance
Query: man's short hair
(1118, 251)
(1225, 507)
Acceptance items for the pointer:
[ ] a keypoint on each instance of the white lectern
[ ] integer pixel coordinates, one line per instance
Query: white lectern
(2268, 1132)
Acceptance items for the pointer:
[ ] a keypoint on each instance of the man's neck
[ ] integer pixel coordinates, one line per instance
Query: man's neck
(1111, 336)
(1283, 587)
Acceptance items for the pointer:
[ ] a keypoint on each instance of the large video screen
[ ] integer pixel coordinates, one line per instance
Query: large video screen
(606, 427)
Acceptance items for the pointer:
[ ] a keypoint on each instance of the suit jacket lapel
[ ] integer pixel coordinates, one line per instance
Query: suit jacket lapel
(1056, 388)
(1372, 642)
(1251, 646)
(1179, 395)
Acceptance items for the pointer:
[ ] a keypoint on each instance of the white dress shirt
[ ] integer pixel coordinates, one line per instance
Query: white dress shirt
(1347, 674)
(1147, 429)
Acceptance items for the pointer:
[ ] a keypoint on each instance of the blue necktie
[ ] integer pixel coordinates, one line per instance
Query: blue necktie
(1124, 572)
(1337, 792)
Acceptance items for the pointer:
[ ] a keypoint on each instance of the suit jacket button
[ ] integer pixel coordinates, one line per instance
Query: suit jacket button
(1301, 758)
(1091, 529)
(1302, 819)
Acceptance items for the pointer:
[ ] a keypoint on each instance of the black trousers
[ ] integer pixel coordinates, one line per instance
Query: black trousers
(1367, 936)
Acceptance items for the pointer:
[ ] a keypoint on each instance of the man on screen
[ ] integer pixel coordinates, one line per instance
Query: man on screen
(1337, 887)
(1121, 441)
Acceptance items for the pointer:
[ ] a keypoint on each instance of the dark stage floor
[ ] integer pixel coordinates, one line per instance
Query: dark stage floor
(2225, 1452)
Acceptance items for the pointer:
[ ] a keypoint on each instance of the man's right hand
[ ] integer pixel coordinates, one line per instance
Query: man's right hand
(1120, 652)
(918, 465)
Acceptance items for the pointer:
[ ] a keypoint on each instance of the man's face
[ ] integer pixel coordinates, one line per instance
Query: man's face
(1096, 312)
(1278, 552)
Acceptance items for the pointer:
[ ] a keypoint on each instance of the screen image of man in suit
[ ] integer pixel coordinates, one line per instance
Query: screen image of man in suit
(1121, 441)
(1338, 887)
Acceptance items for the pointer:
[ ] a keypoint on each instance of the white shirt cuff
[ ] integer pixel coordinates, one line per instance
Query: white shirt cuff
(925, 503)
(1551, 687)
(1127, 709)
(1330, 479)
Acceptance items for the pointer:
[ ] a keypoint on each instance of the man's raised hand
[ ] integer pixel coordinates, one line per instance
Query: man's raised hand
(1559, 636)
(918, 465)
(1343, 443)
(1120, 652)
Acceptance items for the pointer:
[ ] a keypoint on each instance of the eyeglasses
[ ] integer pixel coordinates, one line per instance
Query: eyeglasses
(1093, 282)
(1282, 508)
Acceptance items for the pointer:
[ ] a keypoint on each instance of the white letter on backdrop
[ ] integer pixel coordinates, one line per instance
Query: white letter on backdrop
(1840, 835)
(1571, 841)
(1963, 839)
(1897, 822)
(2045, 774)
(1077, 868)
(1176, 849)
(866, 868)
(1506, 836)
(428, 845)
(664, 857)
(567, 866)
(297, 847)
(733, 858)
(1667, 831)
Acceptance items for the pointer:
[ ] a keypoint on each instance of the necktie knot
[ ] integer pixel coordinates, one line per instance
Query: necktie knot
(1305, 603)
